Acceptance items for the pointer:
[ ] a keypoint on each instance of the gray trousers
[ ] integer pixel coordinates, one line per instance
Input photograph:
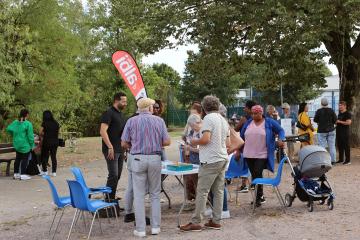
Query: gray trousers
(146, 175)
(129, 194)
(211, 177)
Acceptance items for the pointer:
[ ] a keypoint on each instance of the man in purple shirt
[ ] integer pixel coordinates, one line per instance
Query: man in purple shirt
(145, 135)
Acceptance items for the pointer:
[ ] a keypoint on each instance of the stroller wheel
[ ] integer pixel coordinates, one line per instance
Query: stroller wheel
(330, 204)
(288, 199)
(322, 202)
(310, 206)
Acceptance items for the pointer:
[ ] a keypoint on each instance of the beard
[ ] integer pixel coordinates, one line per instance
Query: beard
(121, 107)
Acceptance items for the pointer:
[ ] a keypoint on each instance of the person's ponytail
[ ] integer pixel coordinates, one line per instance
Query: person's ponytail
(23, 114)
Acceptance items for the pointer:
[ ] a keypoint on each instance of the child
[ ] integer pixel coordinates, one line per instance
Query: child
(192, 156)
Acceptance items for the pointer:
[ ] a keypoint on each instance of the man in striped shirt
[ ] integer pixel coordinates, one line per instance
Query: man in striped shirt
(145, 135)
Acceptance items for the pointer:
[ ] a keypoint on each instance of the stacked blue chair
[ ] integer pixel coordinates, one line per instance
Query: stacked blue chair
(80, 178)
(60, 202)
(92, 191)
(273, 182)
(80, 200)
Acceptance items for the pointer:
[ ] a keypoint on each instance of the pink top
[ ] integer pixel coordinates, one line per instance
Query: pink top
(255, 141)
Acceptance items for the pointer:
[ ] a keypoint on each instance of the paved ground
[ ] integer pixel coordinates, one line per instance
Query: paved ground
(26, 208)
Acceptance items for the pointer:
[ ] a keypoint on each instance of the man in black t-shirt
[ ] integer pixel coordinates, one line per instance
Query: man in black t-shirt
(112, 125)
(343, 133)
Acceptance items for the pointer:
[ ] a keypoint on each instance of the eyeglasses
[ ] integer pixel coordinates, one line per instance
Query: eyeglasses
(156, 107)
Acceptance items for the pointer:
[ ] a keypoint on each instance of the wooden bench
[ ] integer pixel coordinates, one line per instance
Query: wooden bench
(7, 148)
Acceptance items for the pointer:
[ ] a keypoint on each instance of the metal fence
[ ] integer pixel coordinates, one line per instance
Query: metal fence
(178, 117)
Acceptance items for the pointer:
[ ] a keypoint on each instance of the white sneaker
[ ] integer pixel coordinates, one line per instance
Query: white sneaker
(16, 176)
(225, 214)
(139, 234)
(155, 231)
(54, 174)
(25, 177)
(43, 173)
(208, 212)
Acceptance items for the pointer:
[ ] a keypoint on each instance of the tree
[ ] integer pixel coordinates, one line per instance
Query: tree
(283, 30)
(15, 49)
(333, 23)
(208, 73)
(169, 74)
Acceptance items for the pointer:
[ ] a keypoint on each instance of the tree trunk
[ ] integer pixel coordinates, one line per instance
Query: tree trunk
(350, 92)
(347, 60)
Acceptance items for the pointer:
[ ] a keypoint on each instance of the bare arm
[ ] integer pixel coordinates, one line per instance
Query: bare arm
(191, 148)
(205, 139)
(347, 122)
(103, 133)
(240, 124)
(228, 143)
(125, 145)
(166, 142)
(41, 133)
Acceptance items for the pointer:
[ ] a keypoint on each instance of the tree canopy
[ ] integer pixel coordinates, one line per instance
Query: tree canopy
(285, 36)
(57, 54)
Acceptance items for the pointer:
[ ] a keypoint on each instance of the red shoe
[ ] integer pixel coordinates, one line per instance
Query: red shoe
(190, 227)
(212, 225)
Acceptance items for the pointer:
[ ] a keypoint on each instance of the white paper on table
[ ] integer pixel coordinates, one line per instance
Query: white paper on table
(286, 125)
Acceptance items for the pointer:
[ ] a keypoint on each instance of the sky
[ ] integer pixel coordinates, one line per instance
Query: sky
(177, 57)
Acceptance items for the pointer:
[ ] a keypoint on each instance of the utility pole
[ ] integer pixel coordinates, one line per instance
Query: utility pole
(281, 94)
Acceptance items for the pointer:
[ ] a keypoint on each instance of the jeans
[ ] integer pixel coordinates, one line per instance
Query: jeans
(211, 177)
(45, 150)
(21, 160)
(225, 206)
(114, 172)
(256, 167)
(328, 140)
(146, 177)
(342, 141)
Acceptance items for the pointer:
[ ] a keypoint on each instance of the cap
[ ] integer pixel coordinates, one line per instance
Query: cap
(285, 105)
(324, 102)
(145, 103)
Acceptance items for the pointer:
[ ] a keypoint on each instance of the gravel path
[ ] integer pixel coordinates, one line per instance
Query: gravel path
(26, 209)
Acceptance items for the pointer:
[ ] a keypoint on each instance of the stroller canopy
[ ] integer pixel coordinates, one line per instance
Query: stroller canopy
(314, 161)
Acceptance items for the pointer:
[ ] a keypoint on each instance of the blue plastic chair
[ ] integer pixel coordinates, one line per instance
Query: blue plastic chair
(60, 202)
(80, 178)
(236, 170)
(80, 200)
(273, 182)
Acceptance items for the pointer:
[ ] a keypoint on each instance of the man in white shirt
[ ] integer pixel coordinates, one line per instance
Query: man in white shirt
(213, 159)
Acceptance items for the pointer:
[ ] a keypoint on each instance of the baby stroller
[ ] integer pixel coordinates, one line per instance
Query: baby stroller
(310, 181)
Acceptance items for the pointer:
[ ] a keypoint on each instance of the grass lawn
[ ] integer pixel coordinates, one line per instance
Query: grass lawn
(176, 133)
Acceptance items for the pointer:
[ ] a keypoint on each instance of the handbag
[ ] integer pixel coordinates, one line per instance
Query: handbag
(61, 142)
(236, 142)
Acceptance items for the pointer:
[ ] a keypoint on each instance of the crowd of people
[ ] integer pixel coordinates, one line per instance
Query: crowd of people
(332, 130)
(209, 139)
(33, 150)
